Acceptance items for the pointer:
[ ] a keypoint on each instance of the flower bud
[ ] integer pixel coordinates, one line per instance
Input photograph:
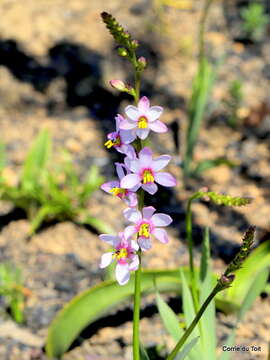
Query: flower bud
(122, 52)
(142, 63)
(134, 44)
(118, 84)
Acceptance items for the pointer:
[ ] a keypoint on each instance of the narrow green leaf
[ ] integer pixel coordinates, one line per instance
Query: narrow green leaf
(208, 320)
(169, 318)
(36, 159)
(143, 353)
(254, 291)
(189, 312)
(187, 349)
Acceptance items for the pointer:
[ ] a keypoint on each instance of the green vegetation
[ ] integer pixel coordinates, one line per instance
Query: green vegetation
(255, 21)
(46, 192)
(11, 288)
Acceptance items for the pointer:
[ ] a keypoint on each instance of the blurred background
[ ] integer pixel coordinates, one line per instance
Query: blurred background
(56, 60)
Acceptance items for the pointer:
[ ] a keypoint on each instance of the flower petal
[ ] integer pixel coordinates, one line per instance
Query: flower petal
(142, 133)
(145, 157)
(134, 263)
(127, 136)
(109, 185)
(122, 273)
(106, 260)
(145, 243)
(129, 181)
(158, 126)
(154, 113)
(110, 239)
(165, 179)
(127, 124)
(160, 162)
(161, 235)
(134, 245)
(120, 170)
(148, 212)
(132, 113)
(129, 231)
(132, 164)
(143, 104)
(151, 188)
(132, 215)
(131, 199)
(161, 219)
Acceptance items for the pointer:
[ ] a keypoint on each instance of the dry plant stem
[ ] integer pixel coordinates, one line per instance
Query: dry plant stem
(137, 290)
(195, 321)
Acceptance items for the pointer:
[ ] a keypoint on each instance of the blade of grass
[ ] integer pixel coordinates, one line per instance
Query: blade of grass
(208, 320)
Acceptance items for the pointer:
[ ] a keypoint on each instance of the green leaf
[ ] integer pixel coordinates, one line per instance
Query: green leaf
(189, 312)
(99, 300)
(36, 160)
(212, 163)
(169, 318)
(96, 302)
(201, 90)
(42, 214)
(143, 353)
(208, 320)
(258, 260)
(187, 349)
(254, 291)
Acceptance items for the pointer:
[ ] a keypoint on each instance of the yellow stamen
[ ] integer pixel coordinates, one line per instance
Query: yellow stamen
(116, 191)
(111, 143)
(142, 123)
(120, 254)
(144, 230)
(148, 177)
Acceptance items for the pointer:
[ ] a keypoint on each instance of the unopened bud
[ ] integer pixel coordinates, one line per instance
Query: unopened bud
(122, 52)
(134, 44)
(226, 280)
(142, 63)
(118, 84)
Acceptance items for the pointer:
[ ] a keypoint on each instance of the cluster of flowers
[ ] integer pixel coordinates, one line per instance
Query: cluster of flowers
(138, 171)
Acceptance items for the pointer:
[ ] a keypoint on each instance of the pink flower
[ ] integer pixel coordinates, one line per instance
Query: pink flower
(114, 188)
(147, 224)
(120, 139)
(143, 118)
(124, 253)
(145, 172)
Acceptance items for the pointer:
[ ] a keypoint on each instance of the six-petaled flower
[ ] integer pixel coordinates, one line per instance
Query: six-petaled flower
(143, 119)
(120, 139)
(147, 223)
(124, 253)
(145, 172)
(114, 188)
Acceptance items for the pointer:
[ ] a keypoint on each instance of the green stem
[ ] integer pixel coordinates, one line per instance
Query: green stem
(136, 312)
(195, 321)
(137, 290)
(190, 250)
